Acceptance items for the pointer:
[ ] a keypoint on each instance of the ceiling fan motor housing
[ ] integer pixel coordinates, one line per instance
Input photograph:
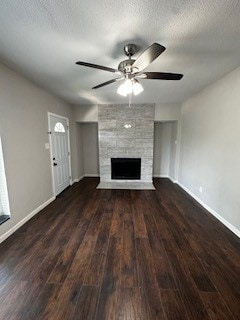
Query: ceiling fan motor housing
(125, 66)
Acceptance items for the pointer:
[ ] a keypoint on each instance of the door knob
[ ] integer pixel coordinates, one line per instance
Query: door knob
(55, 164)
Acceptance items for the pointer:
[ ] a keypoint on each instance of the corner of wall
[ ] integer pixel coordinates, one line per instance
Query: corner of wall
(23, 221)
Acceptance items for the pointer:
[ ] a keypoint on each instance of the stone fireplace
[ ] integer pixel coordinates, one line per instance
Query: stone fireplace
(126, 132)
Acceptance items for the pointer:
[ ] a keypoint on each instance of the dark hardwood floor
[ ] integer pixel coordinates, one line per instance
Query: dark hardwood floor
(120, 254)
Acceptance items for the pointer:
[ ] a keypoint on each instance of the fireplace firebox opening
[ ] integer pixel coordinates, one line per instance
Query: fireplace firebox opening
(126, 168)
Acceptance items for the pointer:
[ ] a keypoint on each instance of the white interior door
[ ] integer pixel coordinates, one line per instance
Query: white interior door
(59, 152)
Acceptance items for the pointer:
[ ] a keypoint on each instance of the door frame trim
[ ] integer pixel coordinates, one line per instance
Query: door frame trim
(50, 147)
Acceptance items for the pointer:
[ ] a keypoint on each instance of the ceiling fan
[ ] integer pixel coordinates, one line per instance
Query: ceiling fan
(131, 70)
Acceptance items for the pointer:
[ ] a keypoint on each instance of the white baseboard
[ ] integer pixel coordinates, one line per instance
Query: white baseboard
(78, 179)
(28, 217)
(164, 176)
(210, 210)
(160, 176)
(173, 180)
(94, 175)
(86, 175)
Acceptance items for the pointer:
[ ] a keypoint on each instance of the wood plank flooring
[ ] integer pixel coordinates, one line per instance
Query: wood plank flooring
(121, 255)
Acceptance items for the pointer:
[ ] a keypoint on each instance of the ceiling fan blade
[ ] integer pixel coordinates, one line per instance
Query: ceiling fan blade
(105, 83)
(96, 66)
(161, 75)
(148, 56)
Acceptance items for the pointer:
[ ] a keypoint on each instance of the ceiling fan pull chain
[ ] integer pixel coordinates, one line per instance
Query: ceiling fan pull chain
(129, 99)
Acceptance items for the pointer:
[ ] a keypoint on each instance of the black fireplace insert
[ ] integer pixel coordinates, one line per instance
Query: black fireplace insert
(126, 168)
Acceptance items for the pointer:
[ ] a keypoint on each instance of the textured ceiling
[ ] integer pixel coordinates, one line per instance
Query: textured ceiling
(44, 38)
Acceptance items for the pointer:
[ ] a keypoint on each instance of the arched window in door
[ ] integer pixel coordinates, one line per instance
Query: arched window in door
(59, 127)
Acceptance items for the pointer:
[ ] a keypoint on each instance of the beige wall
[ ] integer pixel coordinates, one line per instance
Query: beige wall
(161, 150)
(85, 113)
(79, 150)
(163, 112)
(164, 154)
(88, 154)
(23, 129)
(167, 112)
(173, 151)
(210, 147)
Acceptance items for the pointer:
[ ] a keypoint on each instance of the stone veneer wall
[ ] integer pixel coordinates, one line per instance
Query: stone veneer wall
(116, 141)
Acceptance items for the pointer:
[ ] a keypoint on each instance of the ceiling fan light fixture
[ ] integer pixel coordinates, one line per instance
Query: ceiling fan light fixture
(125, 88)
(137, 87)
(121, 90)
(130, 86)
